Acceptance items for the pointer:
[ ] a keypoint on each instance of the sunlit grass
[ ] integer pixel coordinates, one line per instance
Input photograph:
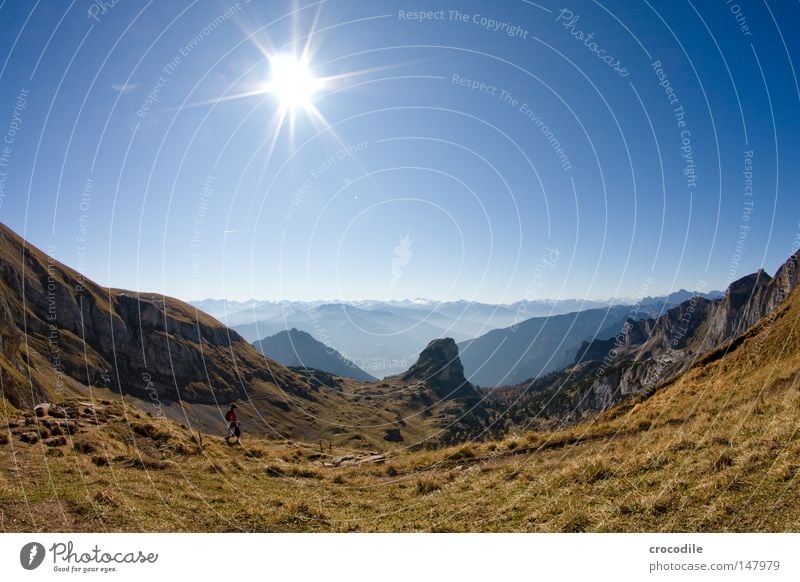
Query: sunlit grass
(718, 450)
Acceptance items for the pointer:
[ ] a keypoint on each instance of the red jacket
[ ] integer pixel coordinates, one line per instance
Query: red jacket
(230, 416)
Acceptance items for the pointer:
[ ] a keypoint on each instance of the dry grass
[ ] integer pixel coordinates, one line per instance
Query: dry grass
(718, 450)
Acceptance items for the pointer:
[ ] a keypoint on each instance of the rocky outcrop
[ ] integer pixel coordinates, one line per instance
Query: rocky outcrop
(440, 367)
(50, 423)
(746, 301)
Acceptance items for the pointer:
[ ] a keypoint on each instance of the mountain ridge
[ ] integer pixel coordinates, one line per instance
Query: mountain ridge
(385, 336)
(649, 352)
(296, 348)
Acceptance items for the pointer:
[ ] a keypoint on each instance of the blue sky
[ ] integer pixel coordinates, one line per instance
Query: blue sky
(492, 152)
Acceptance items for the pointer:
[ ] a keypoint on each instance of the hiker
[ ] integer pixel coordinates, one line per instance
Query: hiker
(233, 424)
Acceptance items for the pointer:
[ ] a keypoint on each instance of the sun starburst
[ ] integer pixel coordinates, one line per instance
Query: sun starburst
(292, 82)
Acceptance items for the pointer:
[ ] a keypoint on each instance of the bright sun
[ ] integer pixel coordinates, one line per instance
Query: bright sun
(291, 82)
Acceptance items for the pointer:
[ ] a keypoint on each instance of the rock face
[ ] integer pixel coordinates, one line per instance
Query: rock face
(646, 353)
(79, 334)
(440, 366)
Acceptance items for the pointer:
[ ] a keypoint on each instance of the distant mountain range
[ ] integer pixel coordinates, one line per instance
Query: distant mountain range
(295, 348)
(383, 338)
(540, 345)
(537, 345)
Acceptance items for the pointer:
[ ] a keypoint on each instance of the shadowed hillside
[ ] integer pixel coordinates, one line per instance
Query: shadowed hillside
(536, 346)
(294, 347)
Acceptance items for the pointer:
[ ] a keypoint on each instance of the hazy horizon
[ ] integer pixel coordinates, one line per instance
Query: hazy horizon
(451, 300)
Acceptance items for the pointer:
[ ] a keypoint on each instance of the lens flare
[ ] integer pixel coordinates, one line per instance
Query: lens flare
(292, 82)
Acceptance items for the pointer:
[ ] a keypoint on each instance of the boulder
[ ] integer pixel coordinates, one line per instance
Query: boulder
(29, 437)
(58, 441)
(48, 409)
(393, 435)
(42, 410)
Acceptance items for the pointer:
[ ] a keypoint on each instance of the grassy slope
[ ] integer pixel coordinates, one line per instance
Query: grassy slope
(717, 450)
(198, 357)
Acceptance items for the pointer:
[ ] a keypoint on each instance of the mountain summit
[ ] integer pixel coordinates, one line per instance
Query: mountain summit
(296, 348)
(440, 366)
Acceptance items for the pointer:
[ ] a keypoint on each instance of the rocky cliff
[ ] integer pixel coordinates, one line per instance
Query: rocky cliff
(646, 353)
(61, 332)
(649, 352)
(440, 366)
